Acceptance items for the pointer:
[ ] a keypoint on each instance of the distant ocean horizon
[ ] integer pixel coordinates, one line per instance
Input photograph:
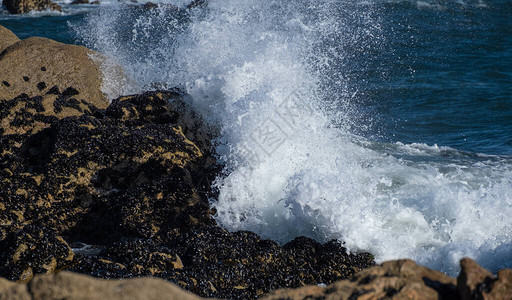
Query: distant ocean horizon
(384, 124)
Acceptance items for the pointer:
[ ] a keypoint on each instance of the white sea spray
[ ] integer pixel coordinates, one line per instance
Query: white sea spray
(272, 76)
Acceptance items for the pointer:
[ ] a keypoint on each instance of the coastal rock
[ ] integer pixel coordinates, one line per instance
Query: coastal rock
(66, 285)
(82, 168)
(212, 262)
(474, 282)
(29, 115)
(37, 66)
(33, 250)
(13, 291)
(472, 278)
(7, 38)
(25, 6)
(128, 188)
(401, 279)
(197, 3)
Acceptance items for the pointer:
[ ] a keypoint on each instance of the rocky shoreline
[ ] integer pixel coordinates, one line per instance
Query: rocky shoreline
(121, 189)
(401, 279)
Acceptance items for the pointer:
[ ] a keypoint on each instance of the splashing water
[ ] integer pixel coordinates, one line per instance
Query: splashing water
(274, 77)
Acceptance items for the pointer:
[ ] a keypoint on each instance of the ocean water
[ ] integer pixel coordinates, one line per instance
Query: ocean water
(384, 124)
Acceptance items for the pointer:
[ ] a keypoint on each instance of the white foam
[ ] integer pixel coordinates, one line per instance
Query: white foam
(270, 76)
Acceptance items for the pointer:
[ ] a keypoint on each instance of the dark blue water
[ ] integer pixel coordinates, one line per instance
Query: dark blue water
(53, 27)
(448, 76)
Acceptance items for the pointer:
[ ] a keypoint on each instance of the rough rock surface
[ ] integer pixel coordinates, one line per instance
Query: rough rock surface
(34, 250)
(7, 38)
(25, 6)
(127, 189)
(66, 285)
(36, 66)
(474, 282)
(403, 279)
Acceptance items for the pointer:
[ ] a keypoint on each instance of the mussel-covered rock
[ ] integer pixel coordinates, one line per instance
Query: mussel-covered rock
(33, 250)
(128, 188)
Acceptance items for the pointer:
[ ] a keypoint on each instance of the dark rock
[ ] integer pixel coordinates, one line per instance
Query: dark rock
(33, 250)
(41, 85)
(133, 183)
(95, 2)
(70, 91)
(28, 115)
(150, 5)
(54, 90)
(80, 2)
(197, 3)
(471, 278)
(25, 6)
(401, 279)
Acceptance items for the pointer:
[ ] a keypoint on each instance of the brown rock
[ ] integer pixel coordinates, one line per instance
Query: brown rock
(66, 285)
(400, 279)
(35, 65)
(13, 291)
(501, 288)
(7, 38)
(474, 282)
(471, 278)
(24, 6)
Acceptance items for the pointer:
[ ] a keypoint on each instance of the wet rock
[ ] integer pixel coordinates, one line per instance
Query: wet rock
(129, 188)
(49, 63)
(33, 250)
(401, 279)
(80, 2)
(212, 262)
(471, 278)
(91, 170)
(474, 282)
(501, 288)
(150, 5)
(29, 115)
(25, 6)
(164, 107)
(7, 38)
(197, 3)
